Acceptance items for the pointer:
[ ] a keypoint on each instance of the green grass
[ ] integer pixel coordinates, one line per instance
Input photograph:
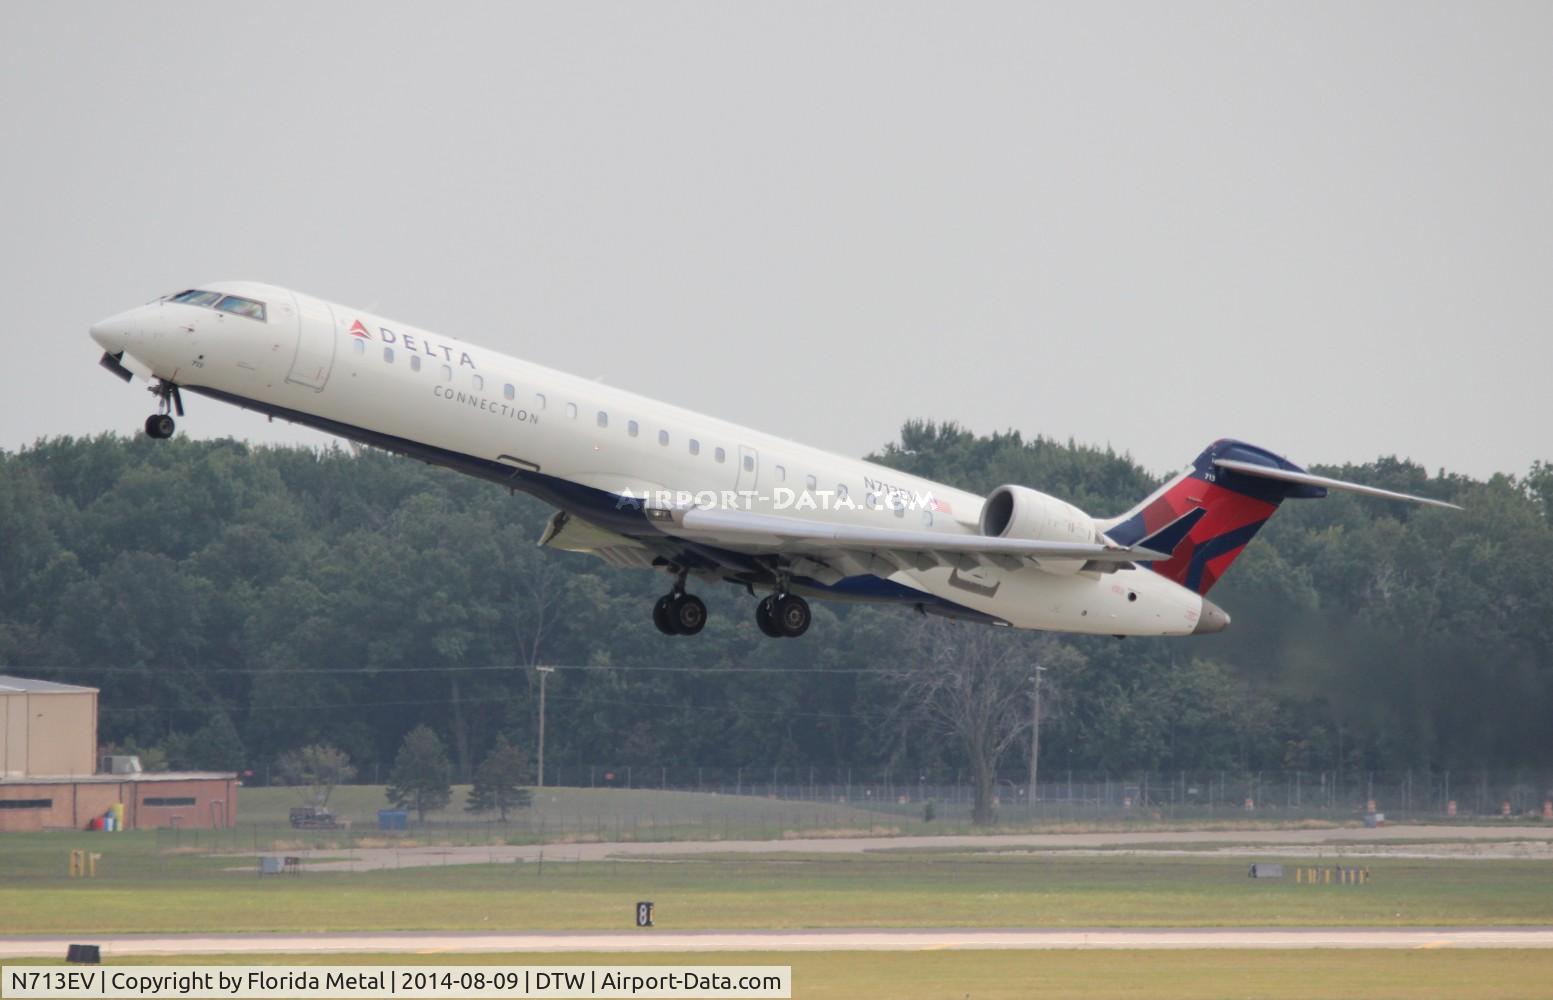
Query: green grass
(572, 813)
(615, 814)
(142, 887)
(1094, 975)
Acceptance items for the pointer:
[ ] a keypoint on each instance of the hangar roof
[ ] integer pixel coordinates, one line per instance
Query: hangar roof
(13, 685)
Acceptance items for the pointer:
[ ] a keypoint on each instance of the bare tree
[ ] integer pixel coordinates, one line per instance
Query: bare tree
(319, 767)
(972, 683)
(543, 582)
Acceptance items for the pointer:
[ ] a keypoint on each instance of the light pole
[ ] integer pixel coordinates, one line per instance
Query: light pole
(1035, 736)
(543, 673)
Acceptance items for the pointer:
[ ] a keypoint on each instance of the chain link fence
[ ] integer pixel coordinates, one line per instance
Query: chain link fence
(1066, 795)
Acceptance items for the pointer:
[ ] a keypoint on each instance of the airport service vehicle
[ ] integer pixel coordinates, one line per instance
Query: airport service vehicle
(641, 483)
(313, 818)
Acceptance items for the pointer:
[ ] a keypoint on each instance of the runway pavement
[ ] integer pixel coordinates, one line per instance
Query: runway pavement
(1465, 842)
(659, 940)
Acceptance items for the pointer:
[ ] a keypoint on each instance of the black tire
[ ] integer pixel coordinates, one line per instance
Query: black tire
(792, 616)
(160, 426)
(689, 614)
(662, 615)
(766, 618)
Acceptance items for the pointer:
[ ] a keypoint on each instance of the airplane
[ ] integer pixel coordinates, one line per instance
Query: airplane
(641, 483)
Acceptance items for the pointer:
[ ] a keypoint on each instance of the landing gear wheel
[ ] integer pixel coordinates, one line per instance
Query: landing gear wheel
(792, 615)
(688, 614)
(765, 617)
(159, 426)
(662, 615)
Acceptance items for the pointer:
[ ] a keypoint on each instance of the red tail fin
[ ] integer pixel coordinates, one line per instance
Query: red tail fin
(1235, 507)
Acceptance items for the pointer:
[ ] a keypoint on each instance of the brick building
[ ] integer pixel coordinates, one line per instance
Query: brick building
(49, 774)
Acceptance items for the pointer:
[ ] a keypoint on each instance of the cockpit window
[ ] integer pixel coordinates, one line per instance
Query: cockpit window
(195, 297)
(242, 307)
(235, 304)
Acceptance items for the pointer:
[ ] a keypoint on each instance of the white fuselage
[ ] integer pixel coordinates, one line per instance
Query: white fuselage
(350, 371)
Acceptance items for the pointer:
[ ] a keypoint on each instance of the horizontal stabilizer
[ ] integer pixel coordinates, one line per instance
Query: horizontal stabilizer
(1306, 479)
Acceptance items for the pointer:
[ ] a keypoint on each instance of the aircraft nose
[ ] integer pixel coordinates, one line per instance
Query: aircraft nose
(115, 333)
(1213, 619)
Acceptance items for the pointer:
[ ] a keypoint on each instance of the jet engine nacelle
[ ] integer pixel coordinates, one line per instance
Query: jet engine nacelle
(1020, 512)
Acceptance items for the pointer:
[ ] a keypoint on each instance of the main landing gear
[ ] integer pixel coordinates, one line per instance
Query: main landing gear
(160, 424)
(679, 613)
(779, 615)
(782, 615)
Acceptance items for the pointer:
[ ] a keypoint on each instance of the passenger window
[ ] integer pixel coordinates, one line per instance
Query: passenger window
(749, 463)
(415, 362)
(631, 428)
(239, 306)
(360, 346)
(388, 355)
(663, 437)
(781, 474)
(695, 446)
(571, 410)
(719, 454)
(508, 391)
(479, 383)
(603, 419)
(539, 401)
(811, 482)
(841, 491)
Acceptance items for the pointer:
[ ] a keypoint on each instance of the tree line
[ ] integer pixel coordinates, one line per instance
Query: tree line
(237, 603)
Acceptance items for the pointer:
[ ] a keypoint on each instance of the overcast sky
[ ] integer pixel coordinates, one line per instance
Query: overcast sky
(1326, 228)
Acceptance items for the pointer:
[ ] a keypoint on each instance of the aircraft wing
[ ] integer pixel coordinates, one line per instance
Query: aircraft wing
(746, 531)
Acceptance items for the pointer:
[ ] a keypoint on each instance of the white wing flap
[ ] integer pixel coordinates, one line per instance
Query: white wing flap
(744, 530)
(573, 534)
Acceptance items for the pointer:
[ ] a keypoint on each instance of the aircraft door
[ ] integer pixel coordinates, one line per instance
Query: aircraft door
(314, 358)
(749, 468)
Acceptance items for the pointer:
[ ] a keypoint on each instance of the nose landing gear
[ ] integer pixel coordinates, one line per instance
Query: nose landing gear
(160, 425)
